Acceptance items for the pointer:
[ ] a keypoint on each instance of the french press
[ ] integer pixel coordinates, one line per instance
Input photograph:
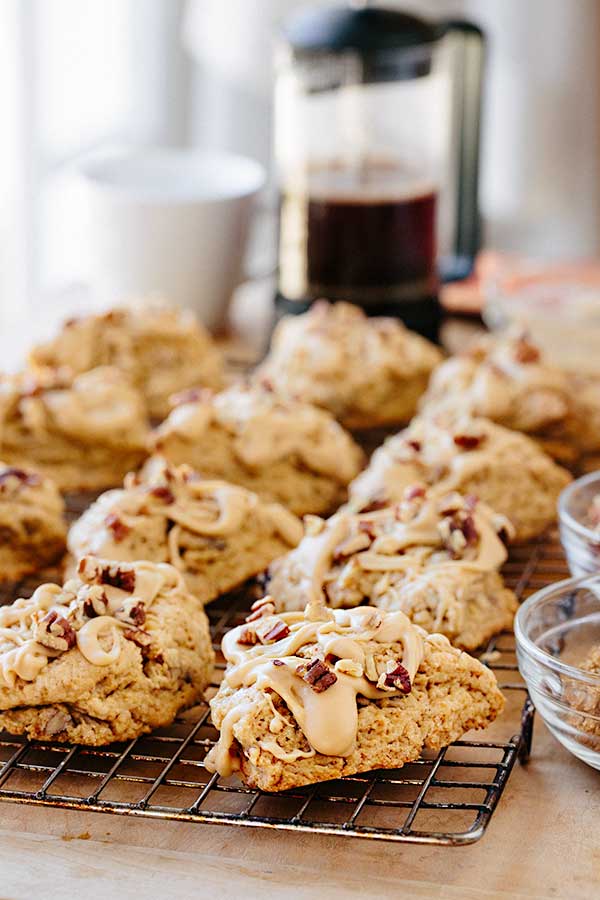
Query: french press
(377, 117)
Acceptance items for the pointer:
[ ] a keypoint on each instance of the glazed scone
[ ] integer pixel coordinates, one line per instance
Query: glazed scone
(504, 468)
(33, 530)
(436, 559)
(216, 534)
(161, 349)
(367, 372)
(312, 696)
(284, 450)
(85, 433)
(115, 652)
(505, 378)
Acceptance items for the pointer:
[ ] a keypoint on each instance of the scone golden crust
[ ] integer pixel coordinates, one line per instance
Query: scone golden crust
(112, 654)
(506, 379)
(367, 372)
(32, 524)
(161, 349)
(504, 468)
(85, 432)
(284, 450)
(216, 534)
(436, 559)
(315, 696)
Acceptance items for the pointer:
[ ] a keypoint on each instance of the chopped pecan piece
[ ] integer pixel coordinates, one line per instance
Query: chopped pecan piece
(375, 505)
(248, 637)
(273, 632)
(414, 491)
(95, 603)
(278, 662)
(54, 632)
(317, 674)
(469, 530)
(124, 579)
(261, 608)
(468, 441)
(416, 445)
(399, 679)
(138, 636)
(118, 527)
(132, 611)
(29, 478)
(526, 352)
(162, 492)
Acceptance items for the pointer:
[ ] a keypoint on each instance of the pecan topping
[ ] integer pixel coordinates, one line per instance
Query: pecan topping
(375, 505)
(261, 608)
(248, 636)
(133, 611)
(525, 352)
(278, 662)
(317, 674)
(468, 441)
(162, 492)
(118, 527)
(139, 637)
(416, 445)
(22, 476)
(96, 602)
(414, 491)
(273, 632)
(54, 632)
(398, 679)
(119, 578)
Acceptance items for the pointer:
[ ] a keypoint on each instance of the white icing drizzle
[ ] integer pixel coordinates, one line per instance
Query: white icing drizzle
(267, 428)
(328, 719)
(200, 507)
(98, 640)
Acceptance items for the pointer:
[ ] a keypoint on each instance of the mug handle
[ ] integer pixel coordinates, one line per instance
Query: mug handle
(467, 102)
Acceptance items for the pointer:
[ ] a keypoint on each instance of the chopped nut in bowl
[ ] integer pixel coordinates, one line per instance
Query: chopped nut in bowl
(557, 632)
(579, 517)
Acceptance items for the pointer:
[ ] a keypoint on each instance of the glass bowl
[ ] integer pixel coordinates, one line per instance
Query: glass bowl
(555, 630)
(581, 543)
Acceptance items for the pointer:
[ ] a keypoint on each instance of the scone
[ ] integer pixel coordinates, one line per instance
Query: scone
(85, 433)
(436, 559)
(367, 372)
(505, 378)
(504, 468)
(285, 450)
(112, 654)
(32, 526)
(161, 349)
(216, 534)
(312, 696)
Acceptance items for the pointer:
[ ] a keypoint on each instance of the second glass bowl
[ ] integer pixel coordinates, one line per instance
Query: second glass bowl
(556, 629)
(581, 543)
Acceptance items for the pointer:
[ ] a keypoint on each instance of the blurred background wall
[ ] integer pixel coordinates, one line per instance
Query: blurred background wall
(78, 73)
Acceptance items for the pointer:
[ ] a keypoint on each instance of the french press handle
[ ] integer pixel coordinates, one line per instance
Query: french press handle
(468, 86)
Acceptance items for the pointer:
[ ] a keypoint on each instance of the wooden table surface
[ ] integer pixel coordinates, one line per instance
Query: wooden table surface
(543, 842)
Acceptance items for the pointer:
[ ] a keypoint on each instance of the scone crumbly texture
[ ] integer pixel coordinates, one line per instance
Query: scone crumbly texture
(162, 349)
(216, 534)
(506, 379)
(285, 450)
(33, 529)
(367, 372)
(436, 559)
(504, 468)
(85, 432)
(112, 654)
(312, 696)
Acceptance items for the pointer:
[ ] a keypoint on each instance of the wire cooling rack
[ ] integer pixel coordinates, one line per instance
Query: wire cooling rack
(444, 798)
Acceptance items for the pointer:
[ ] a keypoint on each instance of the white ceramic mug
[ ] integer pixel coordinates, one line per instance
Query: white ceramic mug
(171, 223)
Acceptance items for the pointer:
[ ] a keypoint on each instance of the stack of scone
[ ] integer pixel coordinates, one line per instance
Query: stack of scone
(356, 658)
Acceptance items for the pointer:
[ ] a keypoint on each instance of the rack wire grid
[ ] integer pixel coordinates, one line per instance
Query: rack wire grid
(446, 798)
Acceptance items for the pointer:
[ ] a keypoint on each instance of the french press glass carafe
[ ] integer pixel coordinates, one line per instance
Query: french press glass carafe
(377, 150)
